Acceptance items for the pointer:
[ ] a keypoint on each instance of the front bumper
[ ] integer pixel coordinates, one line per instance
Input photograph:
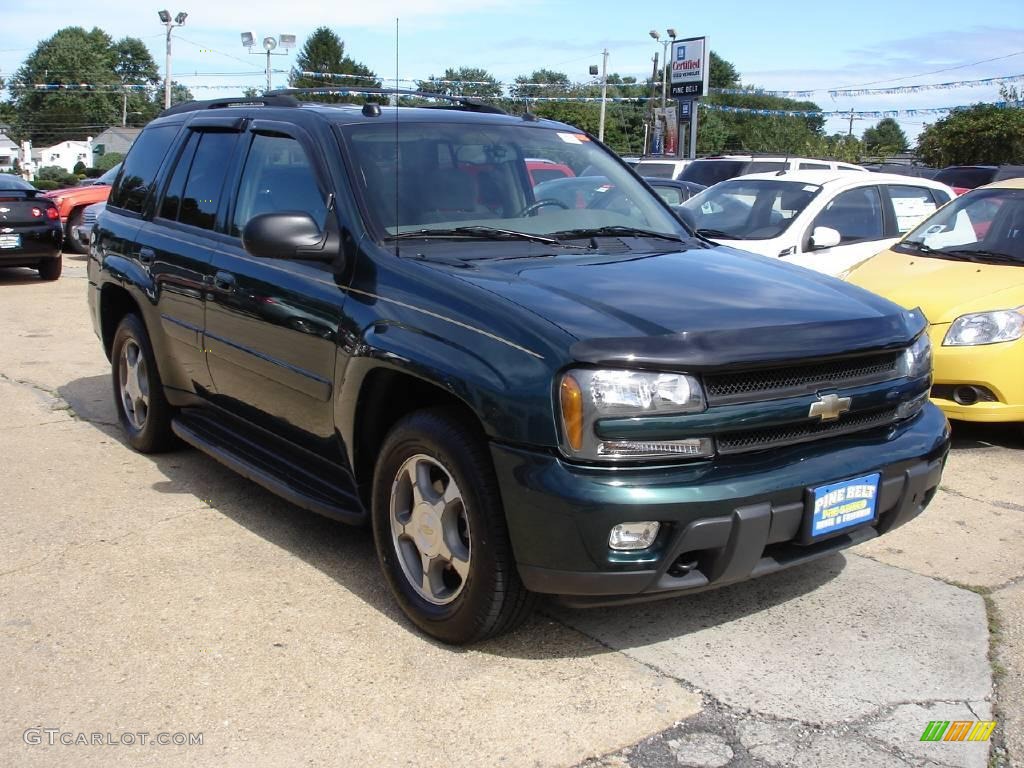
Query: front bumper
(723, 521)
(996, 367)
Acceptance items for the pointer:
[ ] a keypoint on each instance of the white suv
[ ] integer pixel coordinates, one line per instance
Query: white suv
(711, 170)
(823, 220)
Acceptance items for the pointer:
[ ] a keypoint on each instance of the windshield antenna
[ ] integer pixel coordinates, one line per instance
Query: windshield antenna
(398, 159)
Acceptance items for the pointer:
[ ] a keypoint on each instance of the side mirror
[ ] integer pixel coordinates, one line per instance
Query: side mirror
(289, 235)
(825, 237)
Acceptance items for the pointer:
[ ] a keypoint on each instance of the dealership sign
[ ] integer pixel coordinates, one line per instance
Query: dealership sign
(689, 67)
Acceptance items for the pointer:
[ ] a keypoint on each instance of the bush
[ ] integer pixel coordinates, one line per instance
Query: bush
(108, 161)
(79, 169)
(94, 173)
(55, 173)
(46, 185)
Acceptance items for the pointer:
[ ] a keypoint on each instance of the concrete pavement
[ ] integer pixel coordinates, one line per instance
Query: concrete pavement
(168, 594)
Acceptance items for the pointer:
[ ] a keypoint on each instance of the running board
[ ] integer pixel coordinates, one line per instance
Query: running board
(292, 481)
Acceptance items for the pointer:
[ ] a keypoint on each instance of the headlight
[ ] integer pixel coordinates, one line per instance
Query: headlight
(917, 359)
(985, 328)
(586, 395)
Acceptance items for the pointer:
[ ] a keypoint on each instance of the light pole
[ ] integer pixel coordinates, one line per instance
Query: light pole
(270, 42)
(178, 21)
(604, 91)
(664, 57)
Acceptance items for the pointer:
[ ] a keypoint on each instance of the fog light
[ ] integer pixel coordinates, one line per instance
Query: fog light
(632, 536)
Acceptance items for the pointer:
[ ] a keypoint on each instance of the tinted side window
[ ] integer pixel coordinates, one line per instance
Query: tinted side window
(277, 177)
(856, 215)
(766, 166)
(201, 198)
(911, 205)
(814, 166)
(172, 197)
(139, 171)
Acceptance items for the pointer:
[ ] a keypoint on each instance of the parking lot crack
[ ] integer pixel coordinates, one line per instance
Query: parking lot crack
(1008, 505)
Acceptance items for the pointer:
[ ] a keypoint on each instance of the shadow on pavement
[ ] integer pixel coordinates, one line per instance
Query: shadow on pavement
(347, 555)
(972, 435)
(19, 275)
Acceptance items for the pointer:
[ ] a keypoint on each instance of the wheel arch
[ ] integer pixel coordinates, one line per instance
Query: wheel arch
(115, 303)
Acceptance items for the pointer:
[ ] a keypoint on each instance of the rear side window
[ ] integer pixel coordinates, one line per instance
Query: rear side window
(201, 196)
(710, 172)
(911, 205)
(766, 166)
(138, 174)
(814, 166)
(277, 177)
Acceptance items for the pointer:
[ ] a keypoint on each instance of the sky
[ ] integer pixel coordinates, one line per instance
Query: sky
(785, 44)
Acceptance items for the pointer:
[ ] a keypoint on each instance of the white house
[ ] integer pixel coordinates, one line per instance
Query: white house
(67, 154)
(9, 152)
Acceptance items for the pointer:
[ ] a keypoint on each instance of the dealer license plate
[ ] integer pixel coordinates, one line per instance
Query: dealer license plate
(843, 505)
(10, 241)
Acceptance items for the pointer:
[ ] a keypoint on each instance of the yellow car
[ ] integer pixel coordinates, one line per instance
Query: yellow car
(964, 267)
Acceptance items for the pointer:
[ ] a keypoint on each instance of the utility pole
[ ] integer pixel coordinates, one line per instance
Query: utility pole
(850, 132)
(124, 108)
(604, 93)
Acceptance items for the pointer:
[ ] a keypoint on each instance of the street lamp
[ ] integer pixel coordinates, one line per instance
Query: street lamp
(664, 58)
(286, 42)
(179, 20)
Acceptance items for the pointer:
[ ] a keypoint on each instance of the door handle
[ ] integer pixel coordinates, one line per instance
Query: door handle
(225, 281)
(146, 255)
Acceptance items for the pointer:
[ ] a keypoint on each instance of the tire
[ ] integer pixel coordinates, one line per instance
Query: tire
(51, 268)
(71, 242)
(142, 408)
(476, 592)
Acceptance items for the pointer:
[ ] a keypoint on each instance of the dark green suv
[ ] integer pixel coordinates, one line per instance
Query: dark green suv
(368, 310)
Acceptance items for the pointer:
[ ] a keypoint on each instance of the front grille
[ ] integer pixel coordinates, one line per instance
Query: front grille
(774, 437)
(772, 383)
(88, 217)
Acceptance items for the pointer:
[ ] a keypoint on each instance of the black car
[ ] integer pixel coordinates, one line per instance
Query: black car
(964, 177)
(30, 231)
(674, 192)
(368, 310)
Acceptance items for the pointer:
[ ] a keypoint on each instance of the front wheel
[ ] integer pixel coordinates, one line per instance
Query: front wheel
(440, 530)
(71, 242)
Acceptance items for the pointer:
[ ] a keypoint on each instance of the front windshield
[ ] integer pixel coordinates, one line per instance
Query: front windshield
(749, 209)
(426, 177)
(985, 224)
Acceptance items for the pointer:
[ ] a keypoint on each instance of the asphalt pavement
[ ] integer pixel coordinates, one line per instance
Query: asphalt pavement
(169, 597)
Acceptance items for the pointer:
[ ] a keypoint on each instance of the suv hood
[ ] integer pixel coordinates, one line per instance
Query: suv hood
(702, 307)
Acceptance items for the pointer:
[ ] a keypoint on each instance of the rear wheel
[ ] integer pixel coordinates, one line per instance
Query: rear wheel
(51, 268)
(142, 409)
(440, 530)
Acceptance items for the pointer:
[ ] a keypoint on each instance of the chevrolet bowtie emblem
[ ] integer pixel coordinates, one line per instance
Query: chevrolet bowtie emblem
(829, 407)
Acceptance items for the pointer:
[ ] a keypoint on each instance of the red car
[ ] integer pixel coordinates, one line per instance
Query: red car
(546, 170)
(71, 204)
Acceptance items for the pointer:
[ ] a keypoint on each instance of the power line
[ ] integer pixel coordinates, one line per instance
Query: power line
(925, 74)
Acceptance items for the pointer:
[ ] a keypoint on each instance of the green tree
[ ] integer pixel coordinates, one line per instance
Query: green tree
(179, 94)
(721, 73)
(540, 83)
(71, 55)
(983, 134)
(55, 173)
(885, 138)
(134, 65)
(324, 52)
(491, 89)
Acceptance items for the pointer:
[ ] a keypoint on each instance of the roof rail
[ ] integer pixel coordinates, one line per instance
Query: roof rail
(266, 100)
(467, 103)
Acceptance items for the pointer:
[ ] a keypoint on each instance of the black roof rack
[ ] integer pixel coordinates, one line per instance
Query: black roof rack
(457, 102)
(266, 100)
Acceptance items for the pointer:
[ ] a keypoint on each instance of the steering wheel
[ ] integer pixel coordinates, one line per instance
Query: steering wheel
(536, 206)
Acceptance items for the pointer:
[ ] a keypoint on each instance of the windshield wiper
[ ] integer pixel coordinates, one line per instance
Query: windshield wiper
(717, 233)
(983, 255)
(616, 229)
(480, 232)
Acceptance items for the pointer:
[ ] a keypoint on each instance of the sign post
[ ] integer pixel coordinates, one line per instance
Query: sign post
(689, 82)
